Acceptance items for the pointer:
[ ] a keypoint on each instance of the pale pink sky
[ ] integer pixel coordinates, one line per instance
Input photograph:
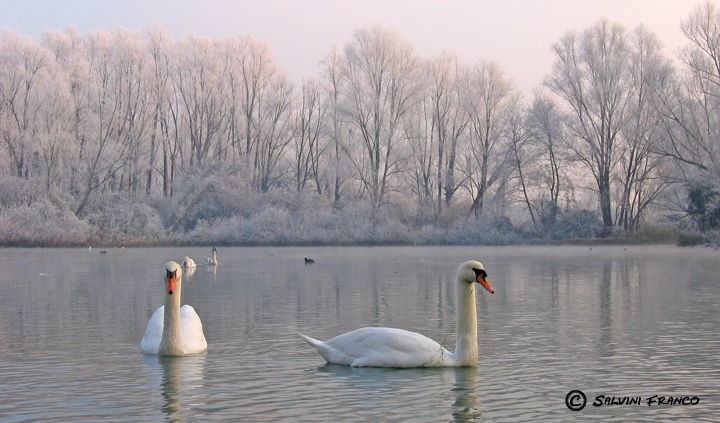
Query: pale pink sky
(517, 34)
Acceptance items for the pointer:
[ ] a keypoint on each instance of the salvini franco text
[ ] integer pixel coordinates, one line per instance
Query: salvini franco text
(601, 400)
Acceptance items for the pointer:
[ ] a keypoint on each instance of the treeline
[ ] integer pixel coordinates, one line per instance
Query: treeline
(133, 137)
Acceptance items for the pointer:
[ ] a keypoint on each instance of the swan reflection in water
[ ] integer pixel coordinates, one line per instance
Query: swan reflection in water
(373, 383)
(212, 270)
(181, 381)
(189, 271)
(466, 405)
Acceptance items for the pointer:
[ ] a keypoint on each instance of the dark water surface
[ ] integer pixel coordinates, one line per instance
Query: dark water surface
(638, 322)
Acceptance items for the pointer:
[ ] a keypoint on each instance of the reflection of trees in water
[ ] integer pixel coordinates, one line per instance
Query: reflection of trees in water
(621, 299)
(605, 320)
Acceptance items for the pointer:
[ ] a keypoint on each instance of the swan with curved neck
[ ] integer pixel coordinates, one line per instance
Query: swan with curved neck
(389, 347)
(173, 330)
(189, 263)
(212, 261)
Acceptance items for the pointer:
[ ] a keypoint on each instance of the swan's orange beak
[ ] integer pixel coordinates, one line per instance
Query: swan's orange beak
(482, 280)
(171, 282)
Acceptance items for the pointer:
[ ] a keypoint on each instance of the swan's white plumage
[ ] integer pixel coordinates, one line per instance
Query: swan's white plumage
(174, 330)
(191, 331)
(389, 347)
(382, 347)
(188, 262)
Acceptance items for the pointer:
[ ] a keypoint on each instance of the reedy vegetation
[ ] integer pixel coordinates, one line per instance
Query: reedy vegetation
(132, 137)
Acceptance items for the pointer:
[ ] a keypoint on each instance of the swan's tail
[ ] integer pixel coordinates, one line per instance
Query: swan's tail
(330, 354)
(314, 342)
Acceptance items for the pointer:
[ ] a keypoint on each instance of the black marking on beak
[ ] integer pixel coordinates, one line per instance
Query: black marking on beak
(479, 272)
(481, 278)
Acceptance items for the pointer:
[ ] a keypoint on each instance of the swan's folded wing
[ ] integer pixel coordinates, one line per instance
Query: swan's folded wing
(153, 332)
(191, 331)
(388, 347)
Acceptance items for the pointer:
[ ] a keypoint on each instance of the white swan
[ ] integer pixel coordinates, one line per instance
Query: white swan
(388, 347)
(173, 330)
(188, 262)
(212, 260)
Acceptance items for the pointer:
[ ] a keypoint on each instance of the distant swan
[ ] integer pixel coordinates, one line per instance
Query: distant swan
(388, 347)
(309, 261)
(212, 260)
(188, 262)
(173, 330)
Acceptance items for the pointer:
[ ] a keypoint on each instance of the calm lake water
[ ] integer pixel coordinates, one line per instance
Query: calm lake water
(610, 321)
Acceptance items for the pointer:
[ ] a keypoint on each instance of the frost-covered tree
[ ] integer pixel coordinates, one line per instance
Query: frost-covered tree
(609, 80)
(251, 76)
(521, 157)
(308, 144)
(34, 111)
(336, 125)
(417, 126)
(382, 78)
(55, 145)
(203, 104)
(642, 175)
(591, 75)
(449, 121)
(109, 108)
(275, 134)
(132, 62)
(549, 164)
(160, 50)
(206, 136)
(489, 101)
(689, 105)
(72, 76)
(25, 75)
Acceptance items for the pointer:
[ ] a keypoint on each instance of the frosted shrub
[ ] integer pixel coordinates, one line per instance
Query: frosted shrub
(391, 232)
(212, 205)
(119, 219)
(273, 225)
(41, 223)
(574, 225)
(17, 191)
(324, 227)
(473, 231)
(270, 226)
(144, 221)
(430, 235)
(220, 231)
(208, 192)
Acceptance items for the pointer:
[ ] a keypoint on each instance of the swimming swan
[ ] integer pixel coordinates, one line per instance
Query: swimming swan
(212, 260)
(388, 347)
(173, 330)
(189, 263)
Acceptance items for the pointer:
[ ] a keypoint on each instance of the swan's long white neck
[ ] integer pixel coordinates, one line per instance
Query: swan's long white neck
(466, 349)
(171, 342)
